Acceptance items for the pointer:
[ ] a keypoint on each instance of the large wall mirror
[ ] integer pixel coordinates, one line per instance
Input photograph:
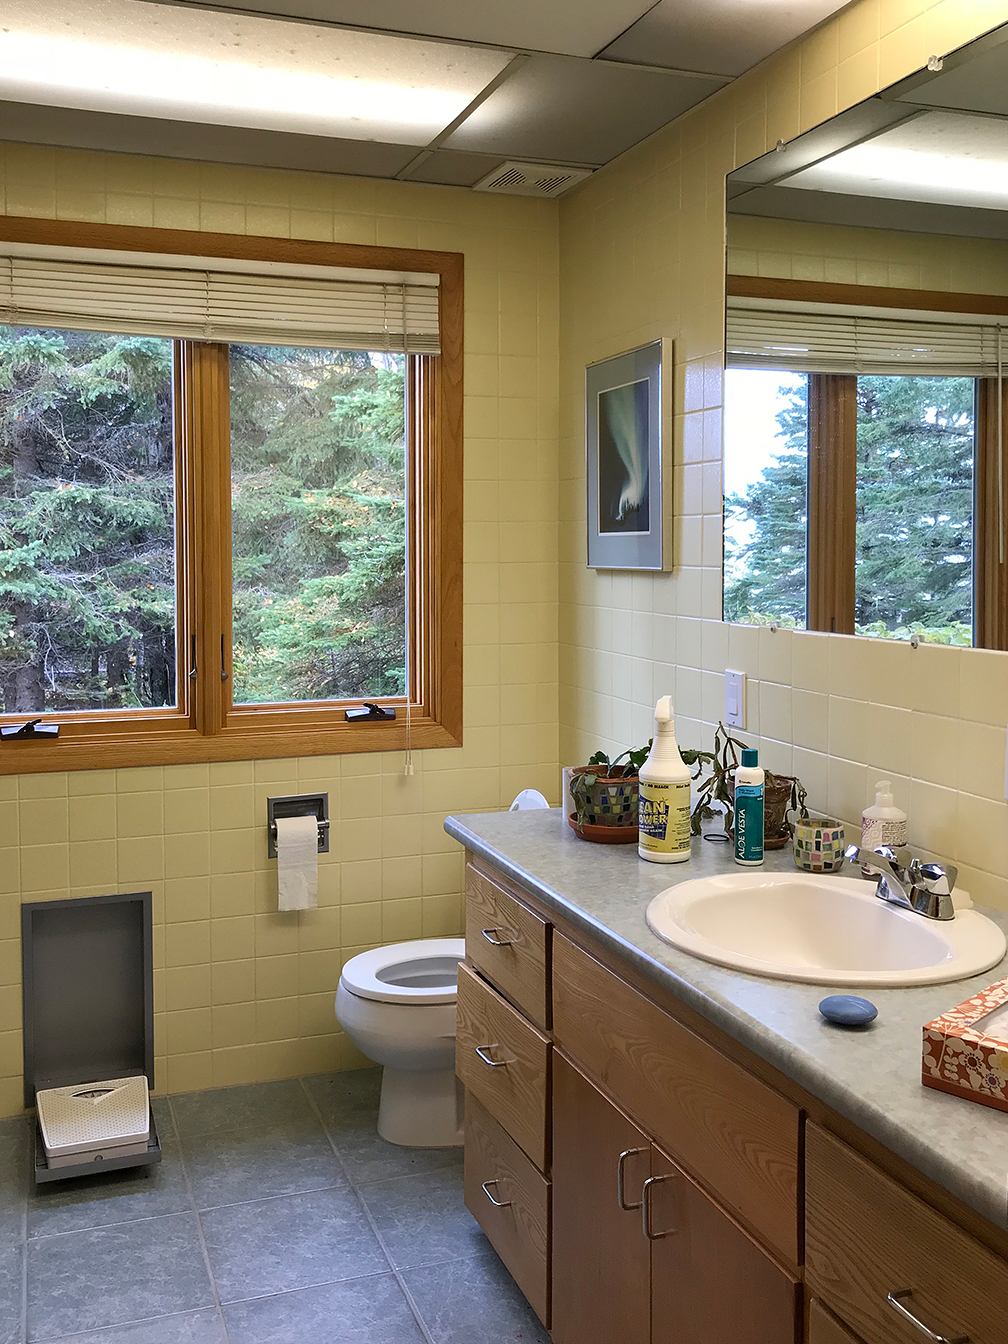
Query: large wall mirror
(866, 338)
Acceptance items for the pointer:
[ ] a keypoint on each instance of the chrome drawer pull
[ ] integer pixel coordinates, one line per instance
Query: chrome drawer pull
(497, 1203)
(894, 1300)
(484, 1053)
(649, 1231)
(620, 1191)
(495, 940)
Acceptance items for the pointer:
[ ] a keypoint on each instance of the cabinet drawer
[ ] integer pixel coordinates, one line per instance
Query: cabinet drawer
(725, 1126)
(509, 944)
(497, 1169)
(866, 1237)
(503, 1061)
(826, 1329)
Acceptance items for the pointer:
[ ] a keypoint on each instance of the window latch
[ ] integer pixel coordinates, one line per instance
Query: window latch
(33, 728)
(370, 712)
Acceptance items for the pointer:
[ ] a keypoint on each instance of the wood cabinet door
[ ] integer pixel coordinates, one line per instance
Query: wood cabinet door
(601, 1263)
(710, 1282)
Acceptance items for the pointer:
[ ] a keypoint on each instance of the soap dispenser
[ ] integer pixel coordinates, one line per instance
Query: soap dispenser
(664, 811)
(883, 824)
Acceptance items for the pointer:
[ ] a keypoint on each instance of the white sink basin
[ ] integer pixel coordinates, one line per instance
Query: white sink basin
(821, 930)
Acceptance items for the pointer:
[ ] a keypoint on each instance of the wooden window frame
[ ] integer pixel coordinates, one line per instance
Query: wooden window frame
(832, 462)
(204, 726)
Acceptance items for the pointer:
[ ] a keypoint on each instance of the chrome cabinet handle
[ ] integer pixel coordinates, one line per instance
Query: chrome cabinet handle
(645, 1206)
(484, 1053)
(497, 1203)
(620, 1191)
(497, 941)
(895, 1300)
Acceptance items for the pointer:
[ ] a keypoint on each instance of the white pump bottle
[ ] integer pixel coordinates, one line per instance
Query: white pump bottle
(664, 818)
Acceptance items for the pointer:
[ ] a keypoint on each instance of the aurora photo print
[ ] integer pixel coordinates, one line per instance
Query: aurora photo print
(623, 420)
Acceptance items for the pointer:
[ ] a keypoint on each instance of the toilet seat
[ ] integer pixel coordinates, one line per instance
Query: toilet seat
(420, 972)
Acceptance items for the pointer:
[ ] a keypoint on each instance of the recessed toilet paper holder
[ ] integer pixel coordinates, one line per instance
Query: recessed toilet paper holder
(297, 805)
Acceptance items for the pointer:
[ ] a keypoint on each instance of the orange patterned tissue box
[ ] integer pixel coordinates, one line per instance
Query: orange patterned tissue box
(966, 1050)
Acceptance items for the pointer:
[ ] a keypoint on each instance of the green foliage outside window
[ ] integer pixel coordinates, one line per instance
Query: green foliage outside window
(318, 524)
(87, 523)
(87, 556)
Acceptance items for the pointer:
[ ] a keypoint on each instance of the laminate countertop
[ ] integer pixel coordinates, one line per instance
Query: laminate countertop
(870, 1076)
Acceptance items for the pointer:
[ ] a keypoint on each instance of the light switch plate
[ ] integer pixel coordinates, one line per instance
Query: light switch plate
(735, 698)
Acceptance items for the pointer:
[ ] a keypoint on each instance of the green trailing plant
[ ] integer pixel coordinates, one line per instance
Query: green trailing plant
(720, 764)
(583, 784)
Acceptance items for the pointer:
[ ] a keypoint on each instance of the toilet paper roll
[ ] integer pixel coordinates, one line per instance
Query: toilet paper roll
(297, 862)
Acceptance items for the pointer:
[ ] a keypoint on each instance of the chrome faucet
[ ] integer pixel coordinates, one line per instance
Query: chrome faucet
(905, 880)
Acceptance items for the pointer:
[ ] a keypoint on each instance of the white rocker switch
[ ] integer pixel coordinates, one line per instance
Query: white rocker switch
(735, 698)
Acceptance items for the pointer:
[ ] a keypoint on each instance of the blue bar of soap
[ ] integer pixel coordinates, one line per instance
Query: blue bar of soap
(847, 1010)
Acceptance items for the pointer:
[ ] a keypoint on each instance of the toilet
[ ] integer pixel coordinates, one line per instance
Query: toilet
(397, 1005)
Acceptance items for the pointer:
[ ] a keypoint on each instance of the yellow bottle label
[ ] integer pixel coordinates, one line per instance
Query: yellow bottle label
(664, 818)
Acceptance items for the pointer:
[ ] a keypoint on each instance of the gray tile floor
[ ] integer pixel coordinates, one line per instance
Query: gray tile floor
(277, 1216)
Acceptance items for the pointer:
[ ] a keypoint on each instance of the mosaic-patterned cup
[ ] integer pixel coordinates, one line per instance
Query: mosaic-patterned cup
(818, 844)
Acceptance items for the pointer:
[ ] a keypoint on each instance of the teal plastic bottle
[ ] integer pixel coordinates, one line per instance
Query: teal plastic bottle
(749, 784)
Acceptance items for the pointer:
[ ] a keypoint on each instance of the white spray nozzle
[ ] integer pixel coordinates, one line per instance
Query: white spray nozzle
(663, 710)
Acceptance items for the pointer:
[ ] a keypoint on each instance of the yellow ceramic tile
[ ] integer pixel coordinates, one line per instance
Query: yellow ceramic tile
(45, 868)
(139, 813)
(43, 821)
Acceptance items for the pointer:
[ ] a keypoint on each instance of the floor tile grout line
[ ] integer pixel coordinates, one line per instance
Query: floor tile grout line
(304, 1288)
(199, 1231)
(122, 1325)
(410, 1300)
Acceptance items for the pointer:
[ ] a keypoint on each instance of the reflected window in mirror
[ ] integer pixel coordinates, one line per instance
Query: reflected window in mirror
(766, 482)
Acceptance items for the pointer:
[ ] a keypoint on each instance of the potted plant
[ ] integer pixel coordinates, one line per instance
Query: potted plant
(782, 793)
(606, 795)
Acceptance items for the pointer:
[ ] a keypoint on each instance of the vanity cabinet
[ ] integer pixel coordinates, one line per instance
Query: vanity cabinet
(640, 1252)
(601, 1259)
(647, 1180)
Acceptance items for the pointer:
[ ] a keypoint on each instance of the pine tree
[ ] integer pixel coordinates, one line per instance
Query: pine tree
(914, 505)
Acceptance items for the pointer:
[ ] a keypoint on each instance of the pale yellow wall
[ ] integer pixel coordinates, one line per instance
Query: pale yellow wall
(242, 992)
(786, 249)
(642, 255)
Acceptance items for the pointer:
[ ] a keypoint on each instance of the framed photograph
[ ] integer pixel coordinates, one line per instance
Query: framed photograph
(623, 418)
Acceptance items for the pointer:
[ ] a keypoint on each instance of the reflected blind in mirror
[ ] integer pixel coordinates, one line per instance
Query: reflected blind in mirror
(840, 341)
(179, 300)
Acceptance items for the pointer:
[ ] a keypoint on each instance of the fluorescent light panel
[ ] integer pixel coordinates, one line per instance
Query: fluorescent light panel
(185, 64)
(949, 158)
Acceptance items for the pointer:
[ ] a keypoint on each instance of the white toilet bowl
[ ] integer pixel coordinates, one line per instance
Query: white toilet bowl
(397, 1005)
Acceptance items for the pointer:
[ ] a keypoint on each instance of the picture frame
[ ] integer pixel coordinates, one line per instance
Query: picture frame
(624, 413)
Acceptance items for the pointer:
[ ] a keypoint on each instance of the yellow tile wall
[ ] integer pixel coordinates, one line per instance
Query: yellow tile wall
(799, 250)
(243, 993)
(642, 247)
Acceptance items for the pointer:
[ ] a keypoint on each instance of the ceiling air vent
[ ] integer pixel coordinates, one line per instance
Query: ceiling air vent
(532, 179)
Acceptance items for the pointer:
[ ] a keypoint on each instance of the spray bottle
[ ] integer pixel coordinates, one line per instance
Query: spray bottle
(664, 817)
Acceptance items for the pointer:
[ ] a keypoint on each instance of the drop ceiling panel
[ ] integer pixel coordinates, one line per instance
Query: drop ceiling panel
(74, 129)
(571, 111)
(569, 27)
(128, 56)
(453, 168)
(950, 158)
(723, 37)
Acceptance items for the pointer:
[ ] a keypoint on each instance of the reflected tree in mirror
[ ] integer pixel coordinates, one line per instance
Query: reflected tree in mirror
(914, 546)
(87, 529)
(318, 494)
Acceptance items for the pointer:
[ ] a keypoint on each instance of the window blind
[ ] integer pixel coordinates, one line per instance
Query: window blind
(839, 341)
(215, 304)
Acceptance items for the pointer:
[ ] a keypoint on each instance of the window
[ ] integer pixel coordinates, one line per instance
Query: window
(216, 534)
(877, 437)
